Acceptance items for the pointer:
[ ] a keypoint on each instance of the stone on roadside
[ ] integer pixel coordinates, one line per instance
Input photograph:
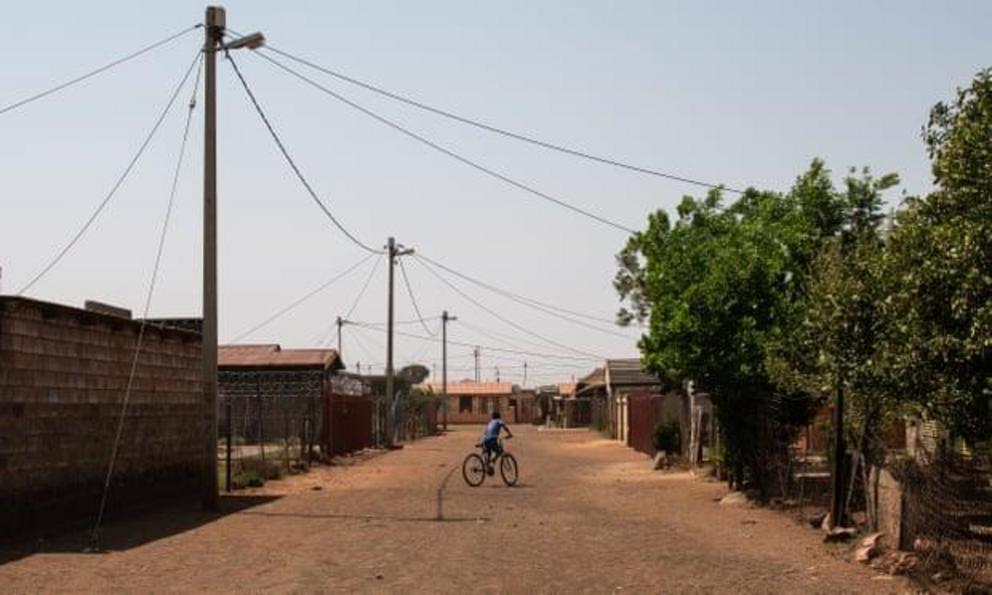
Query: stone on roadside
(660, 461)
(816, 521)
(734, 499)
(869, 548)
(839, 534)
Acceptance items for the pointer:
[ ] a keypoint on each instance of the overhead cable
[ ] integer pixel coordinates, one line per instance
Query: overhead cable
(552, 356)
(550, 309)
(502, 318)
(501, 131)
(120, 181)
(147, 307)
(303, 298)
(292, 164)
(473, 164)
(97, 71)
(413, 299)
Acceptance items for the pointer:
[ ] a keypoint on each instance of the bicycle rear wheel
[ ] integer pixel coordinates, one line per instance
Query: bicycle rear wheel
(474, 470)
(508, 469)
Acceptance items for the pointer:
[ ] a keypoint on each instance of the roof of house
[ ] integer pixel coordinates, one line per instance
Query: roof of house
(274, 356)
(628, 372)
(471, 387)
(566, 389)
(595, 378)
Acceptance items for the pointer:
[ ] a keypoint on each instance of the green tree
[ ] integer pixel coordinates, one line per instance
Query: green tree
(719, 287)
(940, 261)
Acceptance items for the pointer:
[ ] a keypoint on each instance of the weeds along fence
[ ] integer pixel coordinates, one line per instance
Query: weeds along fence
(269, 424)
(415, 418)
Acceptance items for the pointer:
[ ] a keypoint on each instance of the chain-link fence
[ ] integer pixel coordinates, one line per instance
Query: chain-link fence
(269, 424)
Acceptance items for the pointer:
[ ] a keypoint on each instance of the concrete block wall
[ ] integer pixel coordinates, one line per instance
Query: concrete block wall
(63, 374)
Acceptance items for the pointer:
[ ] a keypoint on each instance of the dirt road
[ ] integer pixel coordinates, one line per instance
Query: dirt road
(587, 516)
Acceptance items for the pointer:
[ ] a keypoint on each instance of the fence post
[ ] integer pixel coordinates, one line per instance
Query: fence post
(227, 470)
(261, 417)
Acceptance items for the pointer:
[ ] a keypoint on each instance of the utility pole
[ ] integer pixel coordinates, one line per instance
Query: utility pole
(525, 374)
(393, 252)
(340, 323)
(837, 496)
(445, 319)
(475, 352)
(497, 374)
(214, 32)
(213, 27)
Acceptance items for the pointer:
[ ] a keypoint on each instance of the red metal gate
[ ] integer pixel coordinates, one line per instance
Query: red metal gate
(347, 423)
(643, 414)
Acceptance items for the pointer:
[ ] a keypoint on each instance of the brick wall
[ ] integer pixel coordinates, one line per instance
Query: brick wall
(63, 373)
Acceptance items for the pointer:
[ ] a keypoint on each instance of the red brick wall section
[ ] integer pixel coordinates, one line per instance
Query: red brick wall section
(62, 378)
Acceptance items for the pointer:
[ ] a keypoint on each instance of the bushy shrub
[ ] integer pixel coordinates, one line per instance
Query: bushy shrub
(667, 437)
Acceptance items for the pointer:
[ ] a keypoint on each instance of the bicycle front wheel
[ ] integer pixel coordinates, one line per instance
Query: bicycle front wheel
(474, 470)
(508, 469)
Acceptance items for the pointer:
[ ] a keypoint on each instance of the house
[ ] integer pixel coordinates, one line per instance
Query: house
(608, 387)
(471, 402)
(270, 394)
(63, 375)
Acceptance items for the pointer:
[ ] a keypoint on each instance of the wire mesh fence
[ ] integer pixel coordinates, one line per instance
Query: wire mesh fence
(948, 514)
(269, 425)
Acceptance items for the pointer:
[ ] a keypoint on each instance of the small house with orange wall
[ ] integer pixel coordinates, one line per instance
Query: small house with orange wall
(471, 402)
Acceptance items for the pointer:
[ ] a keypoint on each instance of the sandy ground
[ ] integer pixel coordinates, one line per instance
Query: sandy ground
(588, 516)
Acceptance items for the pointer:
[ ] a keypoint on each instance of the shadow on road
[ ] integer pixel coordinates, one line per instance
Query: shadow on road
(125, 530)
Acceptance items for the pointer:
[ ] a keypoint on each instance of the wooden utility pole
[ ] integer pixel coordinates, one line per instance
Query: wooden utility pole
(445, 319)
(837, 495)
(214, 32)
(340, 323)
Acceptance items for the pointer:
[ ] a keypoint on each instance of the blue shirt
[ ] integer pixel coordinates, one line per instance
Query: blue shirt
(493, 428)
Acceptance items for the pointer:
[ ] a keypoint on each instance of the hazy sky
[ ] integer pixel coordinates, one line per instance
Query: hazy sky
(737, 93)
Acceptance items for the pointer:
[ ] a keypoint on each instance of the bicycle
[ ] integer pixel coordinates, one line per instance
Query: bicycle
(478, 465)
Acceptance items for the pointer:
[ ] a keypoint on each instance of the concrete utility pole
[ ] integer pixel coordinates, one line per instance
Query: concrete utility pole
(393, 252)
(340, 323)
(445, 319)
(213, 27)
(214, 31)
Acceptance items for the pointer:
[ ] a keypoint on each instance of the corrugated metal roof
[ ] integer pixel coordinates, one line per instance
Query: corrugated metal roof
(470, 387)
(274, 356)
(628, 372)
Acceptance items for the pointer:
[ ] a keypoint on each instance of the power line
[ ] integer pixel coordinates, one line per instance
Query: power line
(365, 287)
(97, 71)
(292, 164)
(147, 307)
(510, 294)
(326, 334)
(501, 131)
(502, 318)
(303, 298)
(413, 299)
(540, 306)
(120, 180)
(446, 151)
(551, 356)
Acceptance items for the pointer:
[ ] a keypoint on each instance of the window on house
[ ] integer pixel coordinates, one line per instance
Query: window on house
(464, 404)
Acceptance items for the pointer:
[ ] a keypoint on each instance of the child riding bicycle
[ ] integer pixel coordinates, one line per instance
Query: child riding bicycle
(490, 440)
